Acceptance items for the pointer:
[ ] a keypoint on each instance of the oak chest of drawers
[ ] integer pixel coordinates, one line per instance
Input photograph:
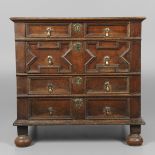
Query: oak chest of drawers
(78, 71)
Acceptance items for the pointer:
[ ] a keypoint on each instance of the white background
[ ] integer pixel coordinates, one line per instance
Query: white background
(75, 139)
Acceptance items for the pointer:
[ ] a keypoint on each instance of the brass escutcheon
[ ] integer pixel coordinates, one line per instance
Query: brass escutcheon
(77, 27)
(78, 102)
(77, 46)
(78, 80)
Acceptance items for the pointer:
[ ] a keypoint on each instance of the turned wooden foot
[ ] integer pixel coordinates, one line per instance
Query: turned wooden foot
(23, 140)
(134, 139)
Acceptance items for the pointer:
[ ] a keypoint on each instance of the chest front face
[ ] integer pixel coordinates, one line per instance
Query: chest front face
(78, 69)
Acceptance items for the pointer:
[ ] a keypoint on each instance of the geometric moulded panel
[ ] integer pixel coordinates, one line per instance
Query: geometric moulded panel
(47, 57)
(108, 56)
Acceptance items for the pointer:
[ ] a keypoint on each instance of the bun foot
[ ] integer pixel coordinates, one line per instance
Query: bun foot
(134, 140)
(23, 141)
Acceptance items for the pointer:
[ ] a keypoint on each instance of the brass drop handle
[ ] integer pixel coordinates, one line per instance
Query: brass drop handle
(51, 110)
(106, 31)
(48, 31)
(78, 102)
(107, 111)
(50, 88)
(107, 86)
(50, 60)
(107, 60)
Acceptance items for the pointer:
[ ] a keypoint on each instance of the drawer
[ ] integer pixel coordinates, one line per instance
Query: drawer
(48, 57)
(108, 56)
(107, 84)
(107, 108)
(49, 85)
(48, 30)
(108, 29)
(47, 108)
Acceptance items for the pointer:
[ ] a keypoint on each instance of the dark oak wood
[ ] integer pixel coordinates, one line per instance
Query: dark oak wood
(38, 30)
(64, 19)
(23, 141)
(78, 71)
(137, 121)
(54, 108)
(21, 39)
(116, 108)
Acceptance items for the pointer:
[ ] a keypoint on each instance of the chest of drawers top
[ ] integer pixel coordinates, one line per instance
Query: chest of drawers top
(86, 28)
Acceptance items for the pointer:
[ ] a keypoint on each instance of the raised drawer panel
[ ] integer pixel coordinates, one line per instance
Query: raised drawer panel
(107, 108)
(108, 29)
(107, 56)
(107, 84)
(48, 57)
(50, 85)
(42, 30)
(50, 108)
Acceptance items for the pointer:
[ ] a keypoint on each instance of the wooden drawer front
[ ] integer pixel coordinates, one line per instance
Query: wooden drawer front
(48, 30)
(50, 85)
(92, 57)
(107, 84)
(107, 29)
(107, 56)
(107, 108)
(50, 108)
(48, 57)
